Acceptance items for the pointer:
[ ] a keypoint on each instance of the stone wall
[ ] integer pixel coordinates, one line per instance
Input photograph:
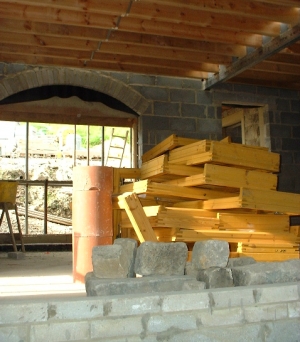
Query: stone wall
(265, 313)
(168, 105)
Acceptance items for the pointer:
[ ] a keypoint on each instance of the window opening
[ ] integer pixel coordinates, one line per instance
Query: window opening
(41, 156)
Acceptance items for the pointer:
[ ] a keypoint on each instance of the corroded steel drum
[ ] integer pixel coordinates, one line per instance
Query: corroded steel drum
(91, 215)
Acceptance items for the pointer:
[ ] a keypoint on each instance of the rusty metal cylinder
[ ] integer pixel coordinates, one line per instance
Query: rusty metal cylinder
(91, 215)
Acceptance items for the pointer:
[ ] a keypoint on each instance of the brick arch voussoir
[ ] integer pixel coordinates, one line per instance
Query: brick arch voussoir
(40, 77)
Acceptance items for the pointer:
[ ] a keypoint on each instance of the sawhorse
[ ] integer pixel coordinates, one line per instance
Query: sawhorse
(5, 207)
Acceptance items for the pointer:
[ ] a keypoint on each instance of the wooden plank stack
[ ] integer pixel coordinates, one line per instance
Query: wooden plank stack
(191, 190)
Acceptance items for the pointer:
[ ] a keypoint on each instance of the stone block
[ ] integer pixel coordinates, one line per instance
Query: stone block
(267, 273)
(190, 270)
(235, 262)
(216, 277)
(210, 253)
(108, 287)
(110, 261)
(158, 258)
(129, 249)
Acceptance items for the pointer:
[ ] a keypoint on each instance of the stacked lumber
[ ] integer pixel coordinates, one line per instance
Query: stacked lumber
(191, 190)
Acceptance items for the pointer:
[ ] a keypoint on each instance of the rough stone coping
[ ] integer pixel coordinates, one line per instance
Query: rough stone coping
(128, 286)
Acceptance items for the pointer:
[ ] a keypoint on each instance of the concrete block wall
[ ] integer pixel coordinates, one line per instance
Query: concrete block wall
(179, 106)
(259, 313)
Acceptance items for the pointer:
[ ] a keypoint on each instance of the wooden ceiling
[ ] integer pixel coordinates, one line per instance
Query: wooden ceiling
(244, 41)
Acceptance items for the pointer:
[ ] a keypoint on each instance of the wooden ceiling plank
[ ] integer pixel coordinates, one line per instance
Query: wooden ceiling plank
(277, 68)
(107, 65)
(48, 41)
(34, 13)
(102, 57)
(52, 15)
(53, 29)
(93, 6)
(284, 58)
(175, 54)
(94, 34)
(267, 50)
(280, 11)
(248, 9)
(287, 3)
(269, 75)
(190, 32)
(183, 15)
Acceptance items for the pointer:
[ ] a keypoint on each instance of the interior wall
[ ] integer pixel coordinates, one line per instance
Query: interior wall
(169, 105)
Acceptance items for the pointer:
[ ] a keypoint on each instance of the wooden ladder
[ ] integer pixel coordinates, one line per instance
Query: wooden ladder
(116, 149)
(5, 207)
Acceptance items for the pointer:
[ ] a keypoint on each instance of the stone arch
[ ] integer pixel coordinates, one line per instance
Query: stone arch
(89, 79)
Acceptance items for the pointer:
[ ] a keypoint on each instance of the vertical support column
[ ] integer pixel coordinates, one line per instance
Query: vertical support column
(91, 215)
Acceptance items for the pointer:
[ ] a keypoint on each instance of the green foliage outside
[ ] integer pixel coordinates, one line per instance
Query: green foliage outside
(82, 130)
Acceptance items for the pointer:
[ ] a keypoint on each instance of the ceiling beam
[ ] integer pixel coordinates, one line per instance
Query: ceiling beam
(255, 57)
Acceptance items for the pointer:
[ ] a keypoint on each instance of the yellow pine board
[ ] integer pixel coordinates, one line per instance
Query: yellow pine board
(181, 154)
(269, 250)
(237, 155)
(138, 219)
(167, 190)
(267, 200)
(254, 221)
(159, 166)
(218, 175)
(167, 144)
(277, 201)
(235, 177)
(235, 237)
(271, 256)
(191, 212)
(187, 222)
